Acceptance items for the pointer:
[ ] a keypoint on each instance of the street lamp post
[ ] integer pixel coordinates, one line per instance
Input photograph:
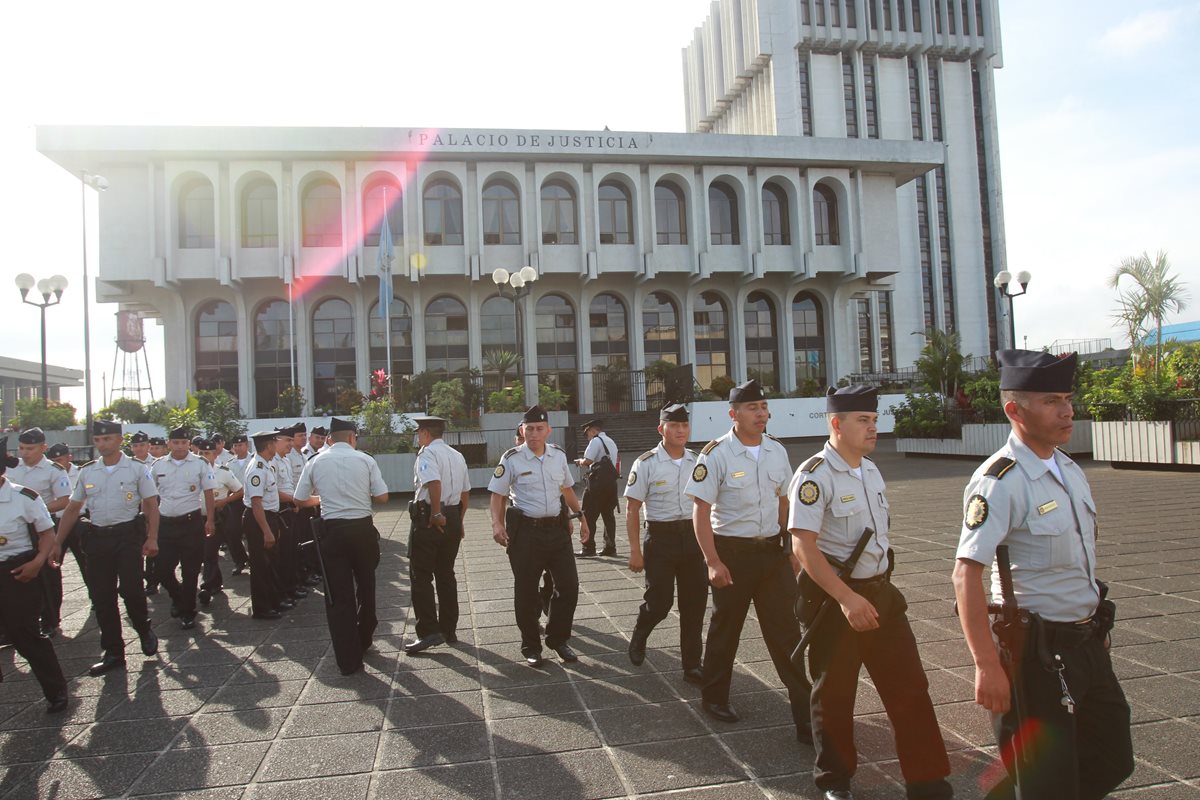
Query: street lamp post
(1002, 282)
(99, 183)
(516, 286)
(46, 287)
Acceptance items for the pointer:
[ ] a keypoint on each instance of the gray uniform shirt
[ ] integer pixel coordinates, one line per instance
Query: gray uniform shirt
(227, 483)
(744, 491)
(595, 450)
(344, 479)
(47, 478)
(1048, 525)
(440, 462)
(114, 495)
(260, 481)
(659, 484)
(17, 512)
(297, 461)
(181, 484)
(533, 484)
(283, 474)
(838, 505)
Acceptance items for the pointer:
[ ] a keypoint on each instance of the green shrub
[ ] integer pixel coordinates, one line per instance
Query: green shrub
(55, 416)
(721, 386)
(446, 400)
(923, 416)
(507, 400)
(550, 398)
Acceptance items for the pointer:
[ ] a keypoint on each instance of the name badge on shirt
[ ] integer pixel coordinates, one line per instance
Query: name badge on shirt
(847, 498)
(89, 486)
(1046, 508)
(660, 483)
(737, 475)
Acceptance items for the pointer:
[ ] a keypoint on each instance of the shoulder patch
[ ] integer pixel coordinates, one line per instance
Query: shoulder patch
(30, 493)
(812, 464)
(977, 512)
(708, 448)
(645, 455)
(1000, 467)
(499, 471)
(699, 473)
(632, 479)
(809, 493)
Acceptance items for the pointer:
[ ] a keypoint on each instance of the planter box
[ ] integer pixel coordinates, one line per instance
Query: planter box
(397, 469)
(983, 440)
(1156, 442)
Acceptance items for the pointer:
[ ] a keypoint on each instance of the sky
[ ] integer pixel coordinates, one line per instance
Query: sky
(1097, 119)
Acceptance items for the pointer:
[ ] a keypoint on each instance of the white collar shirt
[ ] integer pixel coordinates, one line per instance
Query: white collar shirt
(658, 482)
(45, 477)
(345, 480)
(18, 510)
(744, 491)
(113, 496)
(260, 481)
(533, 484)
(181, 484)
(439, 461)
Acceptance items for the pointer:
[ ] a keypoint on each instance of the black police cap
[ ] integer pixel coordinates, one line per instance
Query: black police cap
(535, 414)
(196, 440)
(137, 437)
(104, 427)
(1035, 371)
(263, 437)
(216, 437)
(299, 427)
(673, 413)
(180, 433)
(592, 423)
(336, 425)
(58, 450)
(239, 439)
(430, 422)
(32, 436)
(749, 392)
(204, 444)
(158, 440)
(319, 431)
(852, 398)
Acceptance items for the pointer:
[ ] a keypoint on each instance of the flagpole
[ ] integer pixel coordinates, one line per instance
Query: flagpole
(387, 308)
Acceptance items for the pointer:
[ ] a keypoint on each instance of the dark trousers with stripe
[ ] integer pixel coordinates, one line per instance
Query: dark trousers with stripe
(264, 595)
(20, 605)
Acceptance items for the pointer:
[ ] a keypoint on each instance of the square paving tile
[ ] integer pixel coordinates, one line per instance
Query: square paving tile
(321, 756)
(454, 782)
(182, 770)
(424, 747)
(232, 727)
(348, 787)
(648, 723)
(522, 736)
(585, 775)
(328, 719)
(659, 766)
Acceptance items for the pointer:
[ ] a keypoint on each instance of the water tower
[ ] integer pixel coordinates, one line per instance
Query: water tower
(131, 375)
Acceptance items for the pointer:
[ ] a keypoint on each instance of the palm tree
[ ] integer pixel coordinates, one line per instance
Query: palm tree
(501, 361)
(940, 364)
(1156, 292)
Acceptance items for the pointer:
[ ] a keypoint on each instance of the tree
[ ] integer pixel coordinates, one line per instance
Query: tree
(1156, 292)
(940, 365)
(446, 400)
(219, 413)
(501, 361)
(55, 416)
(126, 409)
(185, 416)
(291, 402)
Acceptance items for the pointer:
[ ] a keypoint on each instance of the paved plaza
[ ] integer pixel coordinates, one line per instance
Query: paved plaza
(253, 710)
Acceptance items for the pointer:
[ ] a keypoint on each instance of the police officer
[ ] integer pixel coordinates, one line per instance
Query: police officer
(139, 447)
(344, 483)
(185, 483)
(61, 454)
(287, 555)
(294, 455)
(533, 476)
(835, 497)
(672, 555)
(221, 456)
(158, 448)
(443, 489)
(240, 450)
(1031, 497)
(226, 496)
(316, 440)
(261, 526)
(37, 472)
(26, 541)
(600, 497)
(739, 488)
(114, 488)
(145, 449)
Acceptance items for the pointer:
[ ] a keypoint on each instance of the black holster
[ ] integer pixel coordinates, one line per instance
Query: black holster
(810, 595)
(420, 512)
(1106, 612)
(512, 522)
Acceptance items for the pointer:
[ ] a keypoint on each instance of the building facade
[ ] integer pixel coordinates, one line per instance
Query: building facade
(755, 246)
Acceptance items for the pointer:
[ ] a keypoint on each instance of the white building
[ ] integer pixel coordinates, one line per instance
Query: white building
(791, 242)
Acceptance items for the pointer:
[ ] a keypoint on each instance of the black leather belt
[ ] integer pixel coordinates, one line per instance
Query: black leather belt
(675, 526)
(750, 542)
(118, 527)
(541, 522)
(1070, 633)
(188, 517)
(867, 581)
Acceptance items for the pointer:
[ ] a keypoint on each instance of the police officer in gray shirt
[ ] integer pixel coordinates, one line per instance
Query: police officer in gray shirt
(1031, 497)
(344, 483)
(443, 488)
(115, 487)
(739, 487)
(837, 498)
(36, 471)
(672, 556)
(533, 476)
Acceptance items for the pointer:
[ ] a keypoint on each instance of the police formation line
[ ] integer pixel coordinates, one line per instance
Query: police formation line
(809, 548)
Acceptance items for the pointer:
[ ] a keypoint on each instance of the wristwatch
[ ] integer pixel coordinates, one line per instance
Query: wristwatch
(439, 514)
(575, 515)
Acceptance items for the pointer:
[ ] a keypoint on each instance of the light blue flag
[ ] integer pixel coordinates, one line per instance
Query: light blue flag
(386, 255)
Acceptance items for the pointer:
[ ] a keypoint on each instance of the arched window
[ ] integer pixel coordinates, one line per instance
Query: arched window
(616, 214)
(670, 213)
(442, 204)
(559, 217)
(610, 335)
(216, 347)
(808, 336)
(825, 215)
(381, 197)
(776, 216)
(272, 355)
(322, 219)
(660, 328)
(498, 335)
(762, 341)
(723, 215)
(501, 213)
(557, 359)
(333, 351)
(710, 325)
(260, 214)
(402, 343)
(196, 225)
(446, 342)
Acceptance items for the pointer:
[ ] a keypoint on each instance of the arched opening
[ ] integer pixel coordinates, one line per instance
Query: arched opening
(557, 351)
(332, 352)
(443, 213)
(762, 340)
(710, 326)
(723, 214)
(670, 213)
(559, 216)
(272, 355)
(616, 214)
(382, 199)
(447, 346)
(260, 214)
(216, 347)
(322, 214)
(501, 213)
(776, 215)
(825, 215)
(808, 337)
(197, 228)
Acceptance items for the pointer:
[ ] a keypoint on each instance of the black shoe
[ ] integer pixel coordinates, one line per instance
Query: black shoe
(187, 623)
(720, 711)
(5, 641)
(299, 594)
(151, 591)
(313, 580)
(107, 664)
(58, 703)
(205, 597)
(285, 605)
(451, 638)
(566, 653)
(49, 631)
(608, 551)
(174, 609)
(424, 643)
(838, 794)
(637, 647)
(804, 734)
(149, 641)
(532, 657)
(585, 553)
(694, 675)
(272, 614)
(240, 569)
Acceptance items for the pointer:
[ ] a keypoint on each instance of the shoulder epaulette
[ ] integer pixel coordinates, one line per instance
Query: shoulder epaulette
(998, 468)
(812, 464)
(30, 493)
(556, 447)
(260, 465)
(645, 455)
(509, 452)
(708, 448)
(227, 469)
(772, 438)
(139, 460)
(868, 458)
(88, 464)
(58, 466)
(690, 450)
